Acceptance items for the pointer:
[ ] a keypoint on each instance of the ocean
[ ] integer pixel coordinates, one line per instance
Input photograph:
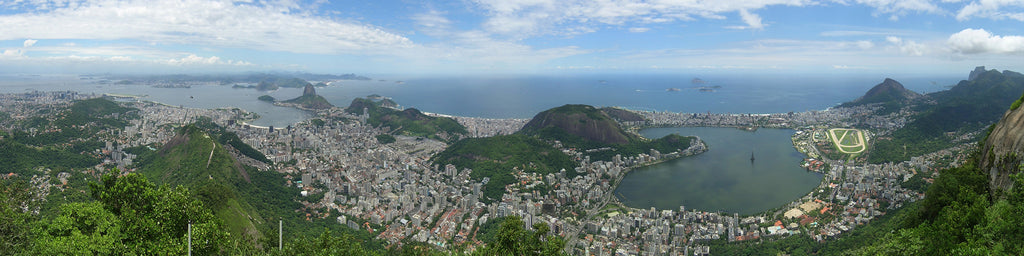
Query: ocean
(520, 96)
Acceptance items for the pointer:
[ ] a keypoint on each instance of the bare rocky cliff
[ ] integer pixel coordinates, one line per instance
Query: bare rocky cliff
(1003, 150)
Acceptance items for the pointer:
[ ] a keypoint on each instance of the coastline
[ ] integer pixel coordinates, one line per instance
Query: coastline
(647, 124)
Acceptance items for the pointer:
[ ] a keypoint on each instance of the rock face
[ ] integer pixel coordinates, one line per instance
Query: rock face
(309, 90)
(977, 72)
(888, 91)
(1003, 150)
(583, 121)
(310, 100)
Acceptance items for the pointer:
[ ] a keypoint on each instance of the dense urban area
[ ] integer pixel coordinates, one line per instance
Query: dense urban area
(394, 191)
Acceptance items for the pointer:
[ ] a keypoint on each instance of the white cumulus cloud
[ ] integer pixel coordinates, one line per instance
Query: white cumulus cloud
(978, 41)
(993, 9)
(274, 26)
(9, 53)
(908, 47)
(536, 17)
(29, 43)
(896, 8)
(753, 20)
(193, 59)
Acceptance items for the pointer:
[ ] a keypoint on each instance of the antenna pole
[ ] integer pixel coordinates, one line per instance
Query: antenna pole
(190, 238)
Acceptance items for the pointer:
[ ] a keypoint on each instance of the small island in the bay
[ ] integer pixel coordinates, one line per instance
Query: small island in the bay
(707, 88)
(266, 98)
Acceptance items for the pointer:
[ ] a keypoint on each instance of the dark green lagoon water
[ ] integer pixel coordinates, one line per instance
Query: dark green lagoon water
(723, 178)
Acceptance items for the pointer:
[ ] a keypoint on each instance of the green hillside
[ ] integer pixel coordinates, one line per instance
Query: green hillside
(194, 159)
(409, 122)
(65, 138)
(890, 94)
(495, 157)
(249, 202)
(584, 127)
(575, 126)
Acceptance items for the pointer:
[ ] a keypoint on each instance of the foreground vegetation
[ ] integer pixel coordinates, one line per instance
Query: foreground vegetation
(128, 215)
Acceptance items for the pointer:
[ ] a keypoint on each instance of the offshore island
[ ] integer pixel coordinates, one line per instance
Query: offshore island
(404, 177)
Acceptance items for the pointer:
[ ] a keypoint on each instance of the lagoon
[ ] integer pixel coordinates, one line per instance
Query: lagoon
(723, 178)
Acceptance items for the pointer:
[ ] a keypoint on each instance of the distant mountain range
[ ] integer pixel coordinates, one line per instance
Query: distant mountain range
(969, 106)
(237, 78)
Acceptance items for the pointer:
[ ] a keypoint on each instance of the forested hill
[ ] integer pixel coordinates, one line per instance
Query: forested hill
(496, 157)
(961, 214)
(969, 106)
(578, 124)
(196, 160)
(587, 128)
(410, 122)
(580, 127)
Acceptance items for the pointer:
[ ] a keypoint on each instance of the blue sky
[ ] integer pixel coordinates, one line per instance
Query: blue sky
(512, 37)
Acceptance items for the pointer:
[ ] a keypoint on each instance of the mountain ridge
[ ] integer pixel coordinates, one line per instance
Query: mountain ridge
(970, 105)
(888, 91)
(410, 121)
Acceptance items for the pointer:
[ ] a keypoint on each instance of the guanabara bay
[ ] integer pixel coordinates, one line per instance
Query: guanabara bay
(167, 127)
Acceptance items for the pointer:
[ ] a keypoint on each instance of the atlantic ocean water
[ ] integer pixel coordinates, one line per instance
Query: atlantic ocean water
(519, 96)
(523, 97)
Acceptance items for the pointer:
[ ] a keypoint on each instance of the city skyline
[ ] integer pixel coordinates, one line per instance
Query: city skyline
(476, 37)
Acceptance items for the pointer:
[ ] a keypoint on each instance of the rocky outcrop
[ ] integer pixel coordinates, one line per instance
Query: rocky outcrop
(309, 90)
(309, 99)
(586, 122)
(888, 91)
(1003, 149)
(977, 72)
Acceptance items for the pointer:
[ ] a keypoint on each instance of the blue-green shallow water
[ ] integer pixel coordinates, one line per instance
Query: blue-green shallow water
(723, 178)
